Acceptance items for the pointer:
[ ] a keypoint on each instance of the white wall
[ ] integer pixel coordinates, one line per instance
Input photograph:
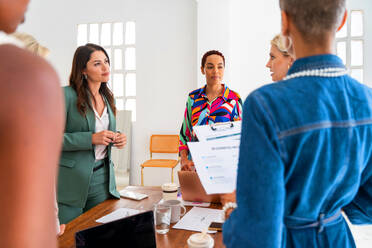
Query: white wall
(242, 31)
(253, 27)
(166, 45)
(214, 33)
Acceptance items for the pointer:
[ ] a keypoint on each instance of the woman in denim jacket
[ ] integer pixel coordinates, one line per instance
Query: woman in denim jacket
(305, 152)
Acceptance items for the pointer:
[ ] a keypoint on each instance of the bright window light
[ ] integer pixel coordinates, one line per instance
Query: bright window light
(356, 23)
(118, 84)
(341, 50)
(93, 33)
(106, 34)
(118, 59)
(82, 34)
(130, 33)
(118, 34)
(120, 104)
(130, 84)
(130, 58)
(356, 53)
(357, 74)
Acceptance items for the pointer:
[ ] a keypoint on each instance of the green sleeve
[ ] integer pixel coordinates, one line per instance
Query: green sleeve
(75, 141)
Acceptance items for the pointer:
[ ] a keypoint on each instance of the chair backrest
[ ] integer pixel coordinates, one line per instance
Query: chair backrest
(160, 143)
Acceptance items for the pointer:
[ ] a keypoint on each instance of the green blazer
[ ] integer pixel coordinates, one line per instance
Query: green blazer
(77, 159)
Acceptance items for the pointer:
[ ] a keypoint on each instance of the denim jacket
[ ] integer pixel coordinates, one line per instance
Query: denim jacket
(305, 154)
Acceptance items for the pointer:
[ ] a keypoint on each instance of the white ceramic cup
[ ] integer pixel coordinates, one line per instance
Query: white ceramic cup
(169, 191)
(178, 210)
(200, 240)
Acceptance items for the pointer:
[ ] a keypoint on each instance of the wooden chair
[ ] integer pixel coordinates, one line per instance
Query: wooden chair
(162, 144)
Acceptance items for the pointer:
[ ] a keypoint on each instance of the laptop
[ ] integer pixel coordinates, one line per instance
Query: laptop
(133, 231)
(193, 190)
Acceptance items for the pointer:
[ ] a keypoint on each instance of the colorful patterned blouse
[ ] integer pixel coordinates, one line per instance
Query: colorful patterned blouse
(226, 107)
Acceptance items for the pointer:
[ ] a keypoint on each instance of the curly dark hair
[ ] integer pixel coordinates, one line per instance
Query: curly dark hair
(209, 53)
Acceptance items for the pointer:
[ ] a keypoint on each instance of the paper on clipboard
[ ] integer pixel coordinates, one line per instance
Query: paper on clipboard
(216, 163)
(218, 131)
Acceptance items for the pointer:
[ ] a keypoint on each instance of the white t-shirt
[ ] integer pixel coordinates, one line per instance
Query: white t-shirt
(102, 123)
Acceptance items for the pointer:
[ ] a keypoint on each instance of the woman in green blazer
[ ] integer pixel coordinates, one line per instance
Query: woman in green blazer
(86, 174)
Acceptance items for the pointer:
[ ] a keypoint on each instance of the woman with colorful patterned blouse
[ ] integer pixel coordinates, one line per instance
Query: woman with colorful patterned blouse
(213, 103)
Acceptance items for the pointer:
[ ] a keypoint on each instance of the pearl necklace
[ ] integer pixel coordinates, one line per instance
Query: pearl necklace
(325, 72)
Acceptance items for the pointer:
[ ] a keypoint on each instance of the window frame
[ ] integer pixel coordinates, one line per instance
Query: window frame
(110, 49)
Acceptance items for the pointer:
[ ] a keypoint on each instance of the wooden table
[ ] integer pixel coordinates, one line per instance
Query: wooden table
(174, 238)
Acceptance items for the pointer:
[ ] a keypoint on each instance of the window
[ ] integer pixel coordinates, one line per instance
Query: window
(350, 44)
(119, 41)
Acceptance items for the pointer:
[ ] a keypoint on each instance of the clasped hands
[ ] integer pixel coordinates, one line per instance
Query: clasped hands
(106, 137)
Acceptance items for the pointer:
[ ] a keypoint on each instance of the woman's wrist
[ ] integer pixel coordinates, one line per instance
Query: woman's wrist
(229, 205)
(183, 160)
(228, 208)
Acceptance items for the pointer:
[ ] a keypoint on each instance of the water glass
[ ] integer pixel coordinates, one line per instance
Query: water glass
(162, 214)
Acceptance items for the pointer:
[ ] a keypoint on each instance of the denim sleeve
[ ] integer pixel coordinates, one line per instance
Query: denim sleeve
(359, 211)
(258, 219)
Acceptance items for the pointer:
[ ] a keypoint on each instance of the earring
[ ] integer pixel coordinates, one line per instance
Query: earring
(287, 43)
(85, 76)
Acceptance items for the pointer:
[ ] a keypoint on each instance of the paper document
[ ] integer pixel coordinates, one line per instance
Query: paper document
(199, 219)
(216, 164)
(117, 214)
(218, 131)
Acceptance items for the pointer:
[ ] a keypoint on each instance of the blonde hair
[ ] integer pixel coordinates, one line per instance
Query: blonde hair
(31, 44)
(279, 42)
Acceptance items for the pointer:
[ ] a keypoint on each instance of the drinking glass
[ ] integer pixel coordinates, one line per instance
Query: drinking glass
(162, 214)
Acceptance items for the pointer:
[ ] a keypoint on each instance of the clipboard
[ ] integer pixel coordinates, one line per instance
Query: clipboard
(222, 126)
(218, 131)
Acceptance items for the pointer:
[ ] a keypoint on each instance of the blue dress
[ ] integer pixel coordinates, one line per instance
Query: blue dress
(305, 155)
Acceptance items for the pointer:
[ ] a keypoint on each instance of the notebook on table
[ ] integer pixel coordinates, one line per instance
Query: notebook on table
(134, 231)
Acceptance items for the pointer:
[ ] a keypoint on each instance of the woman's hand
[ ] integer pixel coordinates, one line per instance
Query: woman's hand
(120, 140)
(61, 229)
(104, 137)
(187, 165)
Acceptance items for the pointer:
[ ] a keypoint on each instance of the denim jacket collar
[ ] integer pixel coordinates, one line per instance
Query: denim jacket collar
(316, 62)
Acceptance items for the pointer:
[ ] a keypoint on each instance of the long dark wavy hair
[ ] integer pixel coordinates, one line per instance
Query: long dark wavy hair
(80, 84)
